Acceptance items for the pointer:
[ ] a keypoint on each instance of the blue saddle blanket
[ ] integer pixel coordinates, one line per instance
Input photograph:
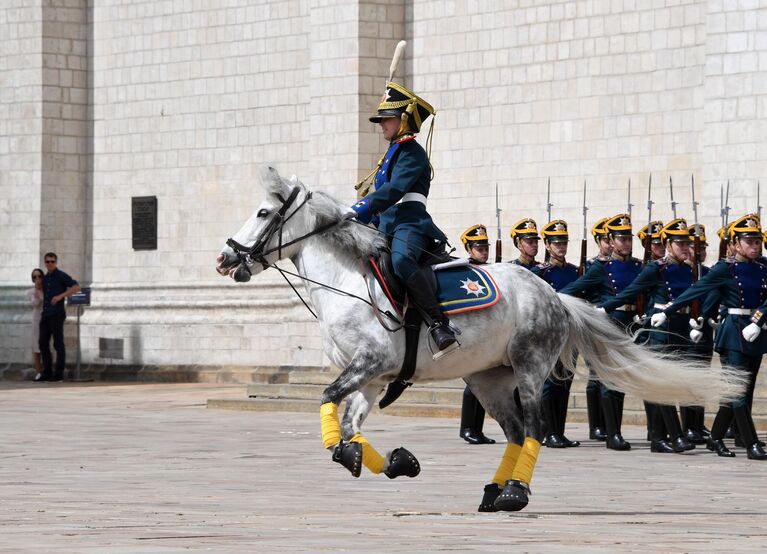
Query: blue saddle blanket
(465, 288)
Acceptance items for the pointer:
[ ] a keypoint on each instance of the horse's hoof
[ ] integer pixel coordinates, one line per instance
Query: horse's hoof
(349, 455)
(514, 496)
(492, 491)
(402, 462)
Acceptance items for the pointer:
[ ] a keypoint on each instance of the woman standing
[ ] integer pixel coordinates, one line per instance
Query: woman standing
(35, 298)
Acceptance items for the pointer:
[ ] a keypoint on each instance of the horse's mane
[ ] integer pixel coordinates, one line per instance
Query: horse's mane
(349, 237)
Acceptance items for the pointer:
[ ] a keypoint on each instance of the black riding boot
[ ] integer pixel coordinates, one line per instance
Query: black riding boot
(422, 293)
(594, 410)
(472, 420)
(676, 437)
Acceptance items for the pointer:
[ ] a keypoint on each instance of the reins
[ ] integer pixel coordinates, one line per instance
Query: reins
(256, 253)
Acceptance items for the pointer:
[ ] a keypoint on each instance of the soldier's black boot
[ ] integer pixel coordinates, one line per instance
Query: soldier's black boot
(692, 423)
(671, 421)
(754, 450)
(718, 446)
(648, 418)
(614, 439)
(552, 440)
(472, 420)
(561, 415)
(594, 410)
(421, 290)
(658, 441)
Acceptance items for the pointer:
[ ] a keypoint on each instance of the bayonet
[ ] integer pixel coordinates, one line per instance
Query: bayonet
(630, 204)
(584, 241)
(548, 200)
(498, 242)
(758, 201)
(671, 190)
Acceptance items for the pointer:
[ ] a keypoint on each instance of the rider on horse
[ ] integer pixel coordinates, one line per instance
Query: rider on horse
(397, 205)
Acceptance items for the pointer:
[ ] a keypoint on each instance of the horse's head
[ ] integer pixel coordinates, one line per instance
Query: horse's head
(264, 237)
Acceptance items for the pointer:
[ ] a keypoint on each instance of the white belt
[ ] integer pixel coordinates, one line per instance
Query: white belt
(627, 308)
(413, 197)
(661, 307)
(740, 311)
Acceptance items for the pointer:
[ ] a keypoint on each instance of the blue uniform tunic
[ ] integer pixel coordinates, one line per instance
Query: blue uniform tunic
(602, 281)
(738, 284)
(405, 169)
(532, 265)
(662, 281)
(556, 276)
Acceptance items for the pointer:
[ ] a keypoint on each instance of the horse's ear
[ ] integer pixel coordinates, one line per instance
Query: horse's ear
(274, 183)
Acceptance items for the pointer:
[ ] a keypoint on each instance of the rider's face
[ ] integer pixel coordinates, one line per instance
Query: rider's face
(389, 127)
(529, 247)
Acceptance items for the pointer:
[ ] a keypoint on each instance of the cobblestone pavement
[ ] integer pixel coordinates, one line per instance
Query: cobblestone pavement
(148, 469)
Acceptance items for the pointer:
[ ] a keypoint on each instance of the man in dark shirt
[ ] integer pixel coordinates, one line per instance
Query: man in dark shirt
(57, 286)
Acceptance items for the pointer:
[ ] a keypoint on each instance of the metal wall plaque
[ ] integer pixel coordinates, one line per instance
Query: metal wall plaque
(144, 218)
(111, 348)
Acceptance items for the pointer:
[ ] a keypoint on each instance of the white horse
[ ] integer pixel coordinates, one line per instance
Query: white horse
(516, 343)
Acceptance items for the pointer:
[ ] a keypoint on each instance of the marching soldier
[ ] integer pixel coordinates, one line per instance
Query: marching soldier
(741, 283)
(702, 335)
(604, 280)
(401, 186)
(593, 387)
(657, 250)
(556, 389)
(662, 281)
(476, 243)
(524, 235)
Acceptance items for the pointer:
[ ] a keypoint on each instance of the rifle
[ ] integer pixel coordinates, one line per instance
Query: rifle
(725, 213)
(547, 256)
(641, 299)
(696, 269)
(498, 243)
(671, 190)
(630, 205)
(647, 246)
(584, 242)
(758, 201)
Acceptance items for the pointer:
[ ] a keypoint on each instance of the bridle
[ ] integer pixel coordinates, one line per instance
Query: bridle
(249, 255)
(258, 252)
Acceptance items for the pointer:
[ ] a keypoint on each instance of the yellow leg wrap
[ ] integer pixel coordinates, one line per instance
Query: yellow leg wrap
(331, 429)
(371, 459)
(523, 471)
(508, 462)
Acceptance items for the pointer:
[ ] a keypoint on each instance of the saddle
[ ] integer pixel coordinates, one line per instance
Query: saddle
(460, 287)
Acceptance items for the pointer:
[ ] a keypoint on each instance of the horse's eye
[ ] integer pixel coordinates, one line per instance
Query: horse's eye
(262, 213)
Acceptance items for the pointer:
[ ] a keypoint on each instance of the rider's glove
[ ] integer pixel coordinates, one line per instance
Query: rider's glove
(362, 209)
(696, 335)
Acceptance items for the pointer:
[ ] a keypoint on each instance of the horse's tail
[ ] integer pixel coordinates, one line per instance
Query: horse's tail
(623, 365)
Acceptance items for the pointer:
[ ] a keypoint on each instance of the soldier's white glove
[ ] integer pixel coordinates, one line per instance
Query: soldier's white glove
(658, 319)
(696, 324)
(751, 332)
(348, 213)
(601, 310)
(713, 323)
(695, 336)
(640, 319)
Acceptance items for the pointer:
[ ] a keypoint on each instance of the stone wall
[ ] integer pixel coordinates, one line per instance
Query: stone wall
(102, 102)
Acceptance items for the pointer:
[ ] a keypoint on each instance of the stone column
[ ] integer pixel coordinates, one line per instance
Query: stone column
(64, 134)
